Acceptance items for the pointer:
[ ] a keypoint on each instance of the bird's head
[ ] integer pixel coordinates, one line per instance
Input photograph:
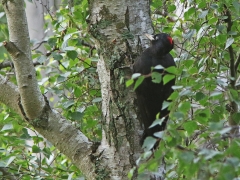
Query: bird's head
(161, 43)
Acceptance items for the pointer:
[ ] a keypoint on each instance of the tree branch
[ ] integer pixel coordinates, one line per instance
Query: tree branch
(9, 94)
(230, 49)
(7, 174)
(233, 104)
(10, 64)
(31, 99)
(59, 131)
(237, 63)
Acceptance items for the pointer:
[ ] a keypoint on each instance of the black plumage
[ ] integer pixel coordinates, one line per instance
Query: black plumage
(150, 95)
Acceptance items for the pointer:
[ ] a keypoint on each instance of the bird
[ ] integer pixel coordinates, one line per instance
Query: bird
(151, 95)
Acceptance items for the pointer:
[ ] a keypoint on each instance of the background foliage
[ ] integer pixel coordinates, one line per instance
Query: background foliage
(198, 142)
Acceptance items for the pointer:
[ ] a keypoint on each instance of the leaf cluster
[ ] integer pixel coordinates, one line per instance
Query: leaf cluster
(199, 142)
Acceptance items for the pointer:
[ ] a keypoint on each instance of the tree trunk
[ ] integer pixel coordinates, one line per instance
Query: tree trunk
(118, 28)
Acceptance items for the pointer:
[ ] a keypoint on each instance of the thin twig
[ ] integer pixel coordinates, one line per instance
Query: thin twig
(237, 63)
(230, 49)
(10, 64)
(38, 45)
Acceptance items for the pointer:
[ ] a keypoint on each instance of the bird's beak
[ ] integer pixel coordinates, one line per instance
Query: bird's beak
(149, 36)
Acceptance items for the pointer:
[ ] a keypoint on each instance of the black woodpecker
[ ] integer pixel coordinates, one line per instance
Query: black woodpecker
(150, 95)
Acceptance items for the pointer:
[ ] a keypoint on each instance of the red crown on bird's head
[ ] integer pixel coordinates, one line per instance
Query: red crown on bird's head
(170, 39)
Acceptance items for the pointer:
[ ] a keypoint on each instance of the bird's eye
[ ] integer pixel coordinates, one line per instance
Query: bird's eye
(156, 38)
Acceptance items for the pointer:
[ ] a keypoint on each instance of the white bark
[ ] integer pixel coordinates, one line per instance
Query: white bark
(120, 143)
(31, 100)
(59, 131)
(122, 38)
(9, 94)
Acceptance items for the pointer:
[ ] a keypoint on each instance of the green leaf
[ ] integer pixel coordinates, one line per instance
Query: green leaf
(57, 56)
(36, 149)
(203, 14)
(52, 41)
(185, 92)
(220, 27)
(129, 82)
(98, 99)
(67, 104)
(189, 13)
(77, 92)
(72, 54)
(167, 78)
(41, 59)
(189, 34)
(138, 82)
(87, 63)
(25, 134)
(213, 20)
(236, 117)
(159, 134)
(148, 144)
(229, 42)
(131, 172)
(136, 75)
(203, 115)
(156, 77)
(193, 70)
(177, 87)
(77, 116)
(10, 160)
(214, 6)
(232, 33)
(158, 67)
(186, 157)
(171, 8)
(157, 122)
(202, 4)
(172, 70)
(202, 31)
(209, 153)
(216, 126)
(165, 104)
(61, 78)
(236, 5)
(7, 127)
(200, 96)
(215, 94)
(190, 127)
(185, 106)
(178, 115)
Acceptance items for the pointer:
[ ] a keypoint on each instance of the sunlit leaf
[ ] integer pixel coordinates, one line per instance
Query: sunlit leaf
(7, 127)
(167, 78)
(148, 144)
(138, 82)
(156, 77)
(129, 82)
(229, 42)
(136, 75)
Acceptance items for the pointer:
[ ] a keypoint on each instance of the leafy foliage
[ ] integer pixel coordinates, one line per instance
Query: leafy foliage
(198, 142)
(67, 75)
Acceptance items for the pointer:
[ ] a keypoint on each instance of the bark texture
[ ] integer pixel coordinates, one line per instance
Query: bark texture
(118, 27)
(31, 100)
